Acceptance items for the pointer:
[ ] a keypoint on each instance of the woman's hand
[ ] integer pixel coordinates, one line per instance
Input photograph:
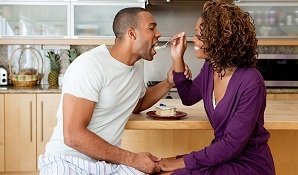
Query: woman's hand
(178, 46)
(171, 164)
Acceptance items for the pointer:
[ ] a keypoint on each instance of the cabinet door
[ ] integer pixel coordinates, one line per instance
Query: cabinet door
(20, 132)
(273, 19)
(35, 19)
(95, 18)
(287, 96)
(1, 132)
(270, 97)
(47, 105)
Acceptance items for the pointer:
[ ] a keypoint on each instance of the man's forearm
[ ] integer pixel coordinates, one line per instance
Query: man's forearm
(158, 91)
(97, 148)
(153, 95)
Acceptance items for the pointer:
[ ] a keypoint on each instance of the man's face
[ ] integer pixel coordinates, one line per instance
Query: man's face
(147, 36)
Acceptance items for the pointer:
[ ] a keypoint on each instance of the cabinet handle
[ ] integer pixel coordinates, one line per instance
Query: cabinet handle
(41, 122)
(30, 121)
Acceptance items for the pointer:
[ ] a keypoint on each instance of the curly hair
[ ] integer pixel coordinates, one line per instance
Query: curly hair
(228, 35)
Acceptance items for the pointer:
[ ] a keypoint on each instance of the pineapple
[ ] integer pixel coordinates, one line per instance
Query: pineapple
(55, 68)
(72, 54)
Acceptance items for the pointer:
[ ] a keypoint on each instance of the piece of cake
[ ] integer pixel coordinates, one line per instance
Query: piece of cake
(165, 110)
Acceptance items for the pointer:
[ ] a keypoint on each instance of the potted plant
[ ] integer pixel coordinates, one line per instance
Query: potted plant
(72, 54)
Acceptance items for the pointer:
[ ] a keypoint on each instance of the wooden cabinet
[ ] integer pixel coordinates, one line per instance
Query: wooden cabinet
(286, 96)
(20, 132)
(282, 96)
(1, 132)
(29, 122)
(47, 105)
(270, 96)
(166, 142)
(283, 145)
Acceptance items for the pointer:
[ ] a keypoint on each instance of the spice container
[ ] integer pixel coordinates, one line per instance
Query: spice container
(289, 20)
(296, 17)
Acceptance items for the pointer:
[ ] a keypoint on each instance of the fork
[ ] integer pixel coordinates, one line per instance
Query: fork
(165, 45)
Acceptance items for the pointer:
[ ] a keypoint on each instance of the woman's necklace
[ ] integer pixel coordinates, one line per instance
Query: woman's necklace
(224, 72)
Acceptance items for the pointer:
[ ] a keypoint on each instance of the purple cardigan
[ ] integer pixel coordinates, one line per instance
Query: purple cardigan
(240, 143)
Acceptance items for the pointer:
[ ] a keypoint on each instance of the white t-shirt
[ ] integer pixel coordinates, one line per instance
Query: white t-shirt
(114, 86)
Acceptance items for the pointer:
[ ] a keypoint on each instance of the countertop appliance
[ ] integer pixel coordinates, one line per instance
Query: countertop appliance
(3, 76)
(172, 94)
(278, 70)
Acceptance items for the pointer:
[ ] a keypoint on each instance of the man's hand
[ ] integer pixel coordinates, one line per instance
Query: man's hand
(163, 173)
(187, 73)
(146, 163)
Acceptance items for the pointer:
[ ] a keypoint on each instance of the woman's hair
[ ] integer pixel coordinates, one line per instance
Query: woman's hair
(229, 37)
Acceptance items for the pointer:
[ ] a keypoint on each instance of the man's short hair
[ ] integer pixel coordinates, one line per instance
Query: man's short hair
(125, 19)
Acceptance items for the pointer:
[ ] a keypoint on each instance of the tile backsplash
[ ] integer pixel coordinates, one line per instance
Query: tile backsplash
(278, 49)
(26, 59)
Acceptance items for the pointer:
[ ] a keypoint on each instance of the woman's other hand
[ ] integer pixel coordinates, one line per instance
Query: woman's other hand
(178, 47)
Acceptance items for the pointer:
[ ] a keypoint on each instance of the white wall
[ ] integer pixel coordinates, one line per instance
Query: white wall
(157, 69)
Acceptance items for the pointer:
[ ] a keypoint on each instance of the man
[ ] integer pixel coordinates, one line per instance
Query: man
(101, 89)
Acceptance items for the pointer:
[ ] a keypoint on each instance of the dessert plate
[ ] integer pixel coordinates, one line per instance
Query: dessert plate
(179, 114)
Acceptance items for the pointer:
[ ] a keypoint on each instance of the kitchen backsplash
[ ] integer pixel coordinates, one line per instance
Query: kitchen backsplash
(278, 49)
(7, 50)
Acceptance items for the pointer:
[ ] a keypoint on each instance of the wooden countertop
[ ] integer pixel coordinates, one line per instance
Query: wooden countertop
(48, 89)
(279, 115)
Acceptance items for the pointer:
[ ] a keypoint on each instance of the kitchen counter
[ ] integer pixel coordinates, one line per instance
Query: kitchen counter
(44, 89)
(282, 90)
(49, 89)
(279, 115)
(168, 138)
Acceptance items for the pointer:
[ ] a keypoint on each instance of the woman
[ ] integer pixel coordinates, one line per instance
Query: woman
(233, 92)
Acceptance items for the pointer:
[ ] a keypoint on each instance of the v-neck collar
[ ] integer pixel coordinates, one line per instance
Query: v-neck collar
(232, 85)
(228, 91)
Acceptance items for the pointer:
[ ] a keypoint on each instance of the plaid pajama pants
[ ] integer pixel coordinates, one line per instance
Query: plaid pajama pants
(69, 165)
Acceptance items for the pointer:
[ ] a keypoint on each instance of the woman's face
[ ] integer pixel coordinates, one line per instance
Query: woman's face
(199, 51)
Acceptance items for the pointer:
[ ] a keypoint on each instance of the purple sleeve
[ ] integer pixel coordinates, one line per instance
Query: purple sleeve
(190, 91)
(248, 109)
